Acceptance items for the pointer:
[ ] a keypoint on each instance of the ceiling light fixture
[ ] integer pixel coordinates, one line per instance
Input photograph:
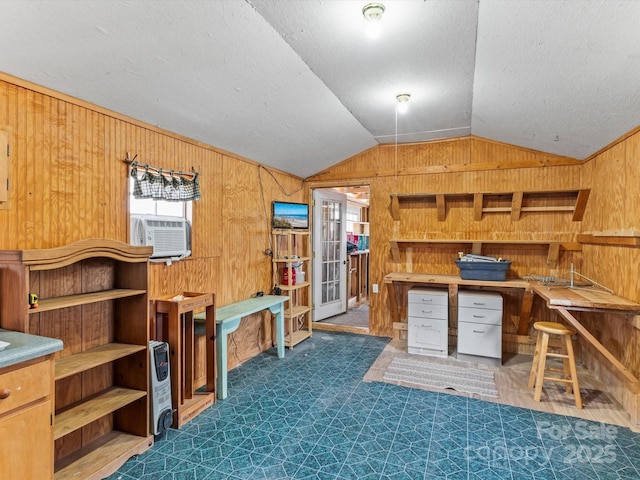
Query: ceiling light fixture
(372, 13)
(403, 102)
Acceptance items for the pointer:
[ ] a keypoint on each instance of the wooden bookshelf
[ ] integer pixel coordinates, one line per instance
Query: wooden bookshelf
(93, 297)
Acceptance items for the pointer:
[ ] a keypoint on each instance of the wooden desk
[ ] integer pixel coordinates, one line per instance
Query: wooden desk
(453, 282)
(563, 299)
(228, 320)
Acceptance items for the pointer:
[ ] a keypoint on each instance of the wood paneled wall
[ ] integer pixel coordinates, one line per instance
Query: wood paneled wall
(614, 175)
(68, 182)
(457, 166)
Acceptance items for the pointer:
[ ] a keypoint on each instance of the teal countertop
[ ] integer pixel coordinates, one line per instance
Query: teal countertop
(23, 347)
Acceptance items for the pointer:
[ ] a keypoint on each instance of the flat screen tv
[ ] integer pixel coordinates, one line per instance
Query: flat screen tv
(289, 215)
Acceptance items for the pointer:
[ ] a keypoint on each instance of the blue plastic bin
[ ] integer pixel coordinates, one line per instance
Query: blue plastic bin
(493, 271)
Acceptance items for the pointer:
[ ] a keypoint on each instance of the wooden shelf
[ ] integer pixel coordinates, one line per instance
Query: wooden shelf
(621, 240)
(105, 455)
(55, 303)
(288, 288)
(553, 247)
(67, 366)
(514, 203)
(293, 339)
(97, 407)
(296, 311)
(292, 260)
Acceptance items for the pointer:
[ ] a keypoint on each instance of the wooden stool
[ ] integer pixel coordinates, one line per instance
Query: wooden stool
(536, 377)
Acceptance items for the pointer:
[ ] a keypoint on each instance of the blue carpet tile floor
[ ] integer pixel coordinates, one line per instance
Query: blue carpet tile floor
(310, 416)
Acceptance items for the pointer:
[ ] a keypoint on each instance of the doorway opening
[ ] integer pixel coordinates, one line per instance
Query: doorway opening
(354, 315)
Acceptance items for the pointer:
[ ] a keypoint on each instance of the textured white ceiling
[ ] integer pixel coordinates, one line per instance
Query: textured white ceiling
(297, 85)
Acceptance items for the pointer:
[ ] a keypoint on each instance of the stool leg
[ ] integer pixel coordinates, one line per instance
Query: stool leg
(574, 373)
(541, 366)
(566, 364)
(534, 363)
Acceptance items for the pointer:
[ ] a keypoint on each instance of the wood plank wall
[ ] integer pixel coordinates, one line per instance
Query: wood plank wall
(457, 166)
(68, 182)
(614, 175)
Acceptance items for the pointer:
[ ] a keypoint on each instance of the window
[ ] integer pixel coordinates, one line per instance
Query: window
(150, 206)
(170, 238)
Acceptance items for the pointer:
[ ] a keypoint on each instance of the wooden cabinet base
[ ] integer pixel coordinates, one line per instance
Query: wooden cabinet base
(104, 456)
(193, 407)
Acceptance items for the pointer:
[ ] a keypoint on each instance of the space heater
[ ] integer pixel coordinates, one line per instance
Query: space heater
(160, 410)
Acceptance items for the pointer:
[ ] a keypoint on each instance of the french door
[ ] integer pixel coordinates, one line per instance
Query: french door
(330, 253)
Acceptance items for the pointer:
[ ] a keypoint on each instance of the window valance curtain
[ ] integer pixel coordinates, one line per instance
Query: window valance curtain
(169, 185)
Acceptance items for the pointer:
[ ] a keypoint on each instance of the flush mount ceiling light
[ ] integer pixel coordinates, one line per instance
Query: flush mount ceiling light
(372, 13)
(403, 102)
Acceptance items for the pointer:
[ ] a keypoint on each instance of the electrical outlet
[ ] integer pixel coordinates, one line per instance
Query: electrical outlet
(374, 288)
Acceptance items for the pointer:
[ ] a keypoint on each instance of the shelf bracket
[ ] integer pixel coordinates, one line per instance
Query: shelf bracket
(442, 207)
(395, 208)
(581, 205)
(516, 206)
(552, 257)
(478, 200)
(395, 251)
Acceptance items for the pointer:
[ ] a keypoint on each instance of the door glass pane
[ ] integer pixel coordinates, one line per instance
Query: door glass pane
(331, 228)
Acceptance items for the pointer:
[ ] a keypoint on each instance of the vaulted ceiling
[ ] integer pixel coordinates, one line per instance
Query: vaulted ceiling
(299, 85)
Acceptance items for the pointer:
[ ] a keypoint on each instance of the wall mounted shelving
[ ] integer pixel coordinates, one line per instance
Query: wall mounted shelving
(512, 203)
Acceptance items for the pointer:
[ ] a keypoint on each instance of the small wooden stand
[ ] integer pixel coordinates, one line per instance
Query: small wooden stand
(176, 327)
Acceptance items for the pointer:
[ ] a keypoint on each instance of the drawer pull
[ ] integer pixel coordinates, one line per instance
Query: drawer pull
(478, 316)
(4, 393)
(424, 311)
(478, 331)
(427, 300)
(426, 326)
(480, 304)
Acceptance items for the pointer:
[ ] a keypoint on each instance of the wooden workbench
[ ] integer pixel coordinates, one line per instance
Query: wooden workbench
(563, 299)
(559, 299)
(453, 282)
(583, 299)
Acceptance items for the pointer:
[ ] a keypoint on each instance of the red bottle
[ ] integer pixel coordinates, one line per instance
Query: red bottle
(285, 276)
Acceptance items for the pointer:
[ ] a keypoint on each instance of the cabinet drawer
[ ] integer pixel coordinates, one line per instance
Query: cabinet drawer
(25, 385)
(428, 296)
(485, 300)
(480, 339)
(427, 336)
(477, 315)
(428, 311)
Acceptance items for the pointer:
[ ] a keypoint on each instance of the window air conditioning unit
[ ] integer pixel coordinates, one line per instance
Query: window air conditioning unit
(169, 236)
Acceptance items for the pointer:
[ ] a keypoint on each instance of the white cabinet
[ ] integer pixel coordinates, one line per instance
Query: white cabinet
(480, 326)
(428, 326)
